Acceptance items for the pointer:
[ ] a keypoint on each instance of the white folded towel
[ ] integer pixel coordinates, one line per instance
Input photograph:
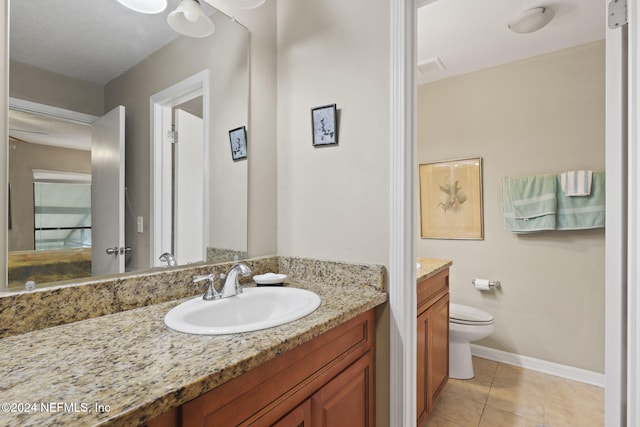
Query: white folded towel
(576, 183)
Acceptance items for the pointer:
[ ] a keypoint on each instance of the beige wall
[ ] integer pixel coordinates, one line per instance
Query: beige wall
(37, 85)
(263, 190)
(262, 220)
(224, 54)
(536, 116)
(333, 201)
(23, 159)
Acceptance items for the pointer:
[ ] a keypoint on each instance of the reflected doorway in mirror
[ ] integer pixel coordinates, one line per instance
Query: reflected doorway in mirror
(180, 183)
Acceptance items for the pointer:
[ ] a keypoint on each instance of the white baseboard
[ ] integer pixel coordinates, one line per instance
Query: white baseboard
(564, 371)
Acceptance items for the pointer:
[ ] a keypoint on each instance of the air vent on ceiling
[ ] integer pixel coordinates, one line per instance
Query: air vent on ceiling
(429, 65)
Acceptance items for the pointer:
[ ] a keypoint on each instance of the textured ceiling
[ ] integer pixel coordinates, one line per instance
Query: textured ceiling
(98, 40)
(93, 40)
(470, 35)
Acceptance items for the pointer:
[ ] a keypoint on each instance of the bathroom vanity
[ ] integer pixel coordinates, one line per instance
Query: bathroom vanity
(128, 368)
(327, 381)
(433, 332)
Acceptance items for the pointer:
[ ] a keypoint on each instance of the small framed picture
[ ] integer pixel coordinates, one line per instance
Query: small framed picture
(238, 140)
(323, 120)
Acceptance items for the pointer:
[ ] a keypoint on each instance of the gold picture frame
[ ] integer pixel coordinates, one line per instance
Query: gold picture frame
(451, 199)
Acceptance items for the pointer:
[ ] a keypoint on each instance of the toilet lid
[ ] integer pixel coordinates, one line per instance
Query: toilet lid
(463, 314)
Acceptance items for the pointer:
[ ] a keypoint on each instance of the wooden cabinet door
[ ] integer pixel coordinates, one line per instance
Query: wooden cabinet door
(299, 417)
(421, 365)
(170, 418)
(347, 400)
(432, 355)
(437, 349)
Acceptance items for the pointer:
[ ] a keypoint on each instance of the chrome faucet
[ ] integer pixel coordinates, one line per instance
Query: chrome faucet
(168, 258)
(231, 285)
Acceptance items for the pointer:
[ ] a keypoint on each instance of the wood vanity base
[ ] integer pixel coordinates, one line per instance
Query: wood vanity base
(328, 381)
(433, 341)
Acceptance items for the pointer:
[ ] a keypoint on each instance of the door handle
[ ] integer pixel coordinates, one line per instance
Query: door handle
(118, 250)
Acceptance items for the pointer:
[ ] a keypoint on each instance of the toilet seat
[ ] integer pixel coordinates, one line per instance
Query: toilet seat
(465, 315)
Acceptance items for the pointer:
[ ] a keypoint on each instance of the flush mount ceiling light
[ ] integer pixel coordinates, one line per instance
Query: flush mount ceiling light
(145, 6)
(246, 4)
(531, 20)
(189, 19)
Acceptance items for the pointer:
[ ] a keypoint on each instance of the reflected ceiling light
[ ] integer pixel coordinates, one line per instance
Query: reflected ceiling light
(531, 20)
(190, 20)
(145, 6)
(246, 4)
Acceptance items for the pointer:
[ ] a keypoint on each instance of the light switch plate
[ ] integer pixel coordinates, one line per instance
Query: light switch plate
(140, 224)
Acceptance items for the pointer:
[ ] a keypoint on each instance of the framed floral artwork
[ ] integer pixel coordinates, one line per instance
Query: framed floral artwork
(451, 199)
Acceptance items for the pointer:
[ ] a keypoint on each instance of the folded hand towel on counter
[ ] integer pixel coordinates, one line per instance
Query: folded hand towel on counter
(580, 213)
(529, 203)
(576, 183)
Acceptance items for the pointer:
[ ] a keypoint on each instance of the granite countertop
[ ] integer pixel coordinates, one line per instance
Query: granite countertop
(128, 367)
(429, 267)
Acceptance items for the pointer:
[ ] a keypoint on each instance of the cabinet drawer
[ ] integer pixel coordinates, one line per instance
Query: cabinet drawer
(429, 290)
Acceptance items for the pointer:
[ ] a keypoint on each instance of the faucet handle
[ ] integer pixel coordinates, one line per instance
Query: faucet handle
(211, 293)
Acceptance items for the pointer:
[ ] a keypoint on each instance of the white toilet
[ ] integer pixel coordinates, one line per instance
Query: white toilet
(466, 324)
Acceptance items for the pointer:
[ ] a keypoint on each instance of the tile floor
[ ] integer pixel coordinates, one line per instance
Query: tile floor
(502, 395)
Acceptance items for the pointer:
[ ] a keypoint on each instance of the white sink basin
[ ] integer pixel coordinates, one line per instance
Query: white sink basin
(254, 309)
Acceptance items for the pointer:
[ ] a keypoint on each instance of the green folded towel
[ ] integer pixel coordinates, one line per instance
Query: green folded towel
(580, 213)
(529, 203)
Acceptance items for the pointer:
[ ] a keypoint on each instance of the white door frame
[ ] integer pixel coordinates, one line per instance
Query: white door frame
(622, 332)
(403, 215)
(633, 217)
(616, 229)
(161, 105)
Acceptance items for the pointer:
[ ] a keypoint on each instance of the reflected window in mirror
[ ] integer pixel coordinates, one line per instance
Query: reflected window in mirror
(62, 215)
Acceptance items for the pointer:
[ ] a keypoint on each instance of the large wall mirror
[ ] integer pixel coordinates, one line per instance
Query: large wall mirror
(119, 148)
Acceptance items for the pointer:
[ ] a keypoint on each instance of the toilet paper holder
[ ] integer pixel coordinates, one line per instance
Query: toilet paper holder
(483, 283)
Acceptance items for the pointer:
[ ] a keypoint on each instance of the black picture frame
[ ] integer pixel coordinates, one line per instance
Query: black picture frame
(238, 143)
(324, 125)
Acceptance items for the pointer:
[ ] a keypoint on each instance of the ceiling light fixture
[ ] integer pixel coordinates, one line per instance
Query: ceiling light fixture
(145, 6)
(246, 4)
(531, 20)
(189, 19)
